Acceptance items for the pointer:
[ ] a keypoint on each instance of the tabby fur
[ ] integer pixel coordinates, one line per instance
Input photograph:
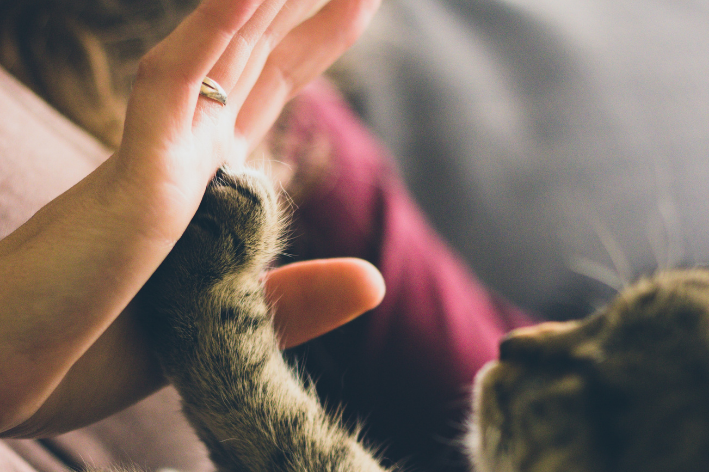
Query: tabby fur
(623, 391)
(216, 342)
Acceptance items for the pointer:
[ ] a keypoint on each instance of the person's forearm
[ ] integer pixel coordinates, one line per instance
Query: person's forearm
(118, 370)
(64, 278)
(67, 274)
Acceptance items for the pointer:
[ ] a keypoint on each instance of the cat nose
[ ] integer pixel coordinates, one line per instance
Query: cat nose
(523, 343)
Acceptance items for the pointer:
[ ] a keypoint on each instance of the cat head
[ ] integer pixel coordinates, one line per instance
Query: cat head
(624, 390)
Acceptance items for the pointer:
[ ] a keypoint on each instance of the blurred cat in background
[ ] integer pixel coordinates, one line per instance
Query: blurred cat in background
(624, 390)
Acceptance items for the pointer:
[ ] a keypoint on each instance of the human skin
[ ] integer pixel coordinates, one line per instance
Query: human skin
(70, 342)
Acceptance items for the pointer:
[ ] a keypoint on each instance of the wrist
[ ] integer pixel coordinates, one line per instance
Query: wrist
(67, 274)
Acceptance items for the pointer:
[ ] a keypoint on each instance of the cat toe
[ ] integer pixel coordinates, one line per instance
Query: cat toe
(240, 216)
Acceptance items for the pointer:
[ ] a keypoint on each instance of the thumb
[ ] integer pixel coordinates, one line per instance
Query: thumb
(314, 297)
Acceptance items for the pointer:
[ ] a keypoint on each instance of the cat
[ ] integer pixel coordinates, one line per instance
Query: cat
(622, 391)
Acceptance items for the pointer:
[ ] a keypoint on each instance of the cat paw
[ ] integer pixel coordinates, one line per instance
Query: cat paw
(239, 220)
(234, 234)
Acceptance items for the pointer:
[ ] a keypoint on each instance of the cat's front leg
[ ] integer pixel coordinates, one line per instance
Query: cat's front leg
(217, 345)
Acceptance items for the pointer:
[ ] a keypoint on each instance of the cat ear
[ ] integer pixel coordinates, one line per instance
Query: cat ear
(544, 338)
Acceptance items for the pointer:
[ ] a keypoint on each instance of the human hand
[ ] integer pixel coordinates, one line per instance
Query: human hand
(67, 274)
(261, 58)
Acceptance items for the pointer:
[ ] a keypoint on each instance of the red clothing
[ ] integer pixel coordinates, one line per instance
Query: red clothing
(405, 368)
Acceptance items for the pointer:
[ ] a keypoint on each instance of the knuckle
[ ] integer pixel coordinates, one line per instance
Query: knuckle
(289, 80)
(242, 41)
(271, 38)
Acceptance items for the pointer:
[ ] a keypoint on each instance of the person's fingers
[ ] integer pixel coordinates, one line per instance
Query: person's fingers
(167, 86)
(239, 52)
(314, 297)
(302, 55)
(243, 59)
(290, 16)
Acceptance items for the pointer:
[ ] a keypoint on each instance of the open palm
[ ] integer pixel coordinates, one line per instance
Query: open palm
(261, 52)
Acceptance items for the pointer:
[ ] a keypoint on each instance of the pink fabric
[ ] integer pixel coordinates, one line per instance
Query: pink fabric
(406, 367)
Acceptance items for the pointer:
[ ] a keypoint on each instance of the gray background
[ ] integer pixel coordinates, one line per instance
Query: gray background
(560, 145)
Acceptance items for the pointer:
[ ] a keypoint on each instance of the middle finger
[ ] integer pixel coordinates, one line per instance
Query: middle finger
(293, 13)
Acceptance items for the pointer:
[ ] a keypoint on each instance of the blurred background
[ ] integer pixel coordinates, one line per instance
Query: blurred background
(561, 146)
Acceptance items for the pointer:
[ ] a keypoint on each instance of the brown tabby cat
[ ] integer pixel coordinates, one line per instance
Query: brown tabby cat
(625, 390)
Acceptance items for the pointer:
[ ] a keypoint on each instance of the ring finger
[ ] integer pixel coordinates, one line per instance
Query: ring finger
(176, 67)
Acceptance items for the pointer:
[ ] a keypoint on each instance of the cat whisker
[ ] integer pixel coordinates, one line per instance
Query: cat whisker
(597, 271)
(623, 269)
(669, 220)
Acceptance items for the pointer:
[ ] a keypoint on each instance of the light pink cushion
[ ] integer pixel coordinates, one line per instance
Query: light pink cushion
(41, 154)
